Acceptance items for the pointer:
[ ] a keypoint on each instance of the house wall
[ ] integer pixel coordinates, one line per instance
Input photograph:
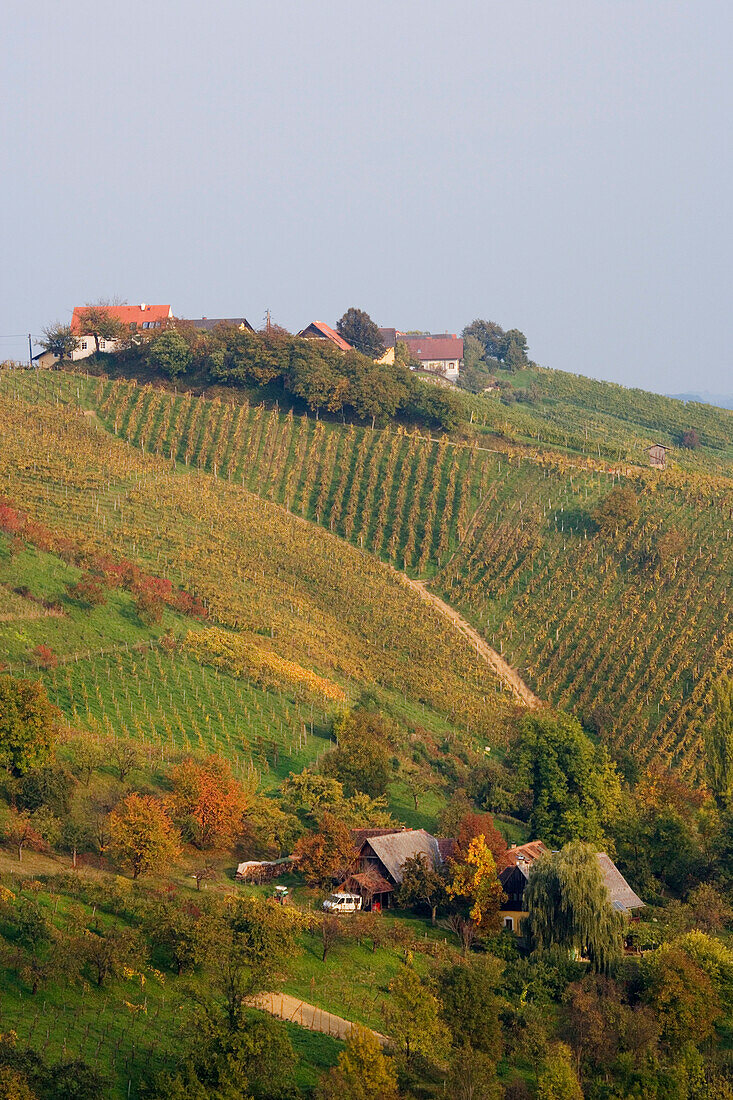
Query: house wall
(449, 368)
(517, 916)
(387, 358)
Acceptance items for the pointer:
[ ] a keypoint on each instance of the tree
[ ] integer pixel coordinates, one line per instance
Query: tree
(375, 392)
(255, 936)
(472, 825)
(473, 1075)
(109, 953)
(20, 830)
(363, 1072)
(124, 754)
(207, 803)
(470, 1006)
(690, 439)
(558, 1080)
(143, 837)
(575, 787)
(515, 350)
(169, 353)
(28, 724)
(361, 332)
(412, 1018)
(361, 761)
(310, 794)
(682, 996)
(475, 878)
(98, 321)
(422, 884)
(617, 511)
(316, 375)
(325, 856)
(60, 341)
(183, 932)
(490, 336)
(569, 908)
(332, 930)
(719, 744)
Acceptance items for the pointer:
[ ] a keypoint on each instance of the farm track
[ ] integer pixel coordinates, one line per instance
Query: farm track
(300, 1012)
(508, 675)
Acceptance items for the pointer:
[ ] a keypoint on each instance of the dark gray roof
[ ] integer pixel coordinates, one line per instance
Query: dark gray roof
(619, 891)
(208, 323)
(395, 848)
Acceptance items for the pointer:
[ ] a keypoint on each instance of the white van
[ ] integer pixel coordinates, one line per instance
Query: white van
(342, 903)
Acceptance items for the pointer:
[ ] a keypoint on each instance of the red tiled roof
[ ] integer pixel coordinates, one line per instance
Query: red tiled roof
(530, 852)
(321, 330)
(446, 847)
(427, 348)
(128, 315)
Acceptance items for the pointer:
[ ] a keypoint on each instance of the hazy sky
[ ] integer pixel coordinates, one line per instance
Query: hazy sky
(563, 167)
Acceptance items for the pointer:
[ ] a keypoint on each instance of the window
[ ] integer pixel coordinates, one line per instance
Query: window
(146, 324)
(509, 923)
(133, 326)
(101, 344)
(83, 345)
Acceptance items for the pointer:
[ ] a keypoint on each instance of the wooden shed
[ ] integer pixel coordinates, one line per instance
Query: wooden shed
(658, 456)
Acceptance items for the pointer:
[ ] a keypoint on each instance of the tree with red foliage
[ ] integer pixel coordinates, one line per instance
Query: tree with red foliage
(11, 520)
(91, 589)
(473, 825)
(151, 596)
(208, 803)
(45, 656)
(20, 831)
(327, 855)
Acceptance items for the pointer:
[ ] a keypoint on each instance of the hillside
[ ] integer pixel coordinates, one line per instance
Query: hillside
(302, 592)
(608, 628)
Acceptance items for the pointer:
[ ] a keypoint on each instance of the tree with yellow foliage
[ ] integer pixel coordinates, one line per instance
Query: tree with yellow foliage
(475, 878)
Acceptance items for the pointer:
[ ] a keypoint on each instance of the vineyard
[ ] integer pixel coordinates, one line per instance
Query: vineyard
(602, 626)
(316, 601)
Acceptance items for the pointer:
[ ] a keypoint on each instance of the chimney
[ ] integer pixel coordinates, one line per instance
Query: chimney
(143, 307)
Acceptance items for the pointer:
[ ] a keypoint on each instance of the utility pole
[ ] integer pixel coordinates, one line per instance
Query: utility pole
(30, 351)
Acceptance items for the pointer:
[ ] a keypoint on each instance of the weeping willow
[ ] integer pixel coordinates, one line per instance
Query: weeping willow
(569, 907)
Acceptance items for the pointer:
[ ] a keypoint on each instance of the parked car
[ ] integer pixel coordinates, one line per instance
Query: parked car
(342, 903)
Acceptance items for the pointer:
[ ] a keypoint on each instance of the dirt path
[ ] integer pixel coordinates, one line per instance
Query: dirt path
(505, 672)
(300, 1012)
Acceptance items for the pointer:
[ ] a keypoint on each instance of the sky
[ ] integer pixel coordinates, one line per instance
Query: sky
(563, 167)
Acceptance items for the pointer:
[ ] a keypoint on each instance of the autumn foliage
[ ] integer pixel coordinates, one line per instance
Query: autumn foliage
(207, 802)
(144, 838)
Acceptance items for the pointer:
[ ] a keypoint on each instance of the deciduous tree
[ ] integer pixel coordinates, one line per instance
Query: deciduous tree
(28, 724)
(143, 837)
(60, 341)
(207, 802)
(474, 877)
(422, 884)
(412, 1018)
(363, 1071)
(719, 743)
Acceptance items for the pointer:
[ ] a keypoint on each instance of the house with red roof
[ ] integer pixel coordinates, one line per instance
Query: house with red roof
(319, 330)
(135, 318)
(440, 354)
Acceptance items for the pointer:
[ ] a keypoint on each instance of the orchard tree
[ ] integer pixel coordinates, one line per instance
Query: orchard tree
(475, 879)
(143, 837)
(363, 1071)
(472, 825)
(690, 439)
(60, 341)
(109, 953)
(28, 724)
(361, 332)
(208, 803)
(169, 353)
(21, 831)
(568, 906)
(719, 744)
(558, 1079)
